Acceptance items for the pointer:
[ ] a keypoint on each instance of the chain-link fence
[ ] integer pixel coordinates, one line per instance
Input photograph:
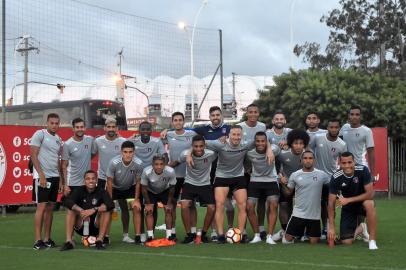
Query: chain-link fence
(83, 47)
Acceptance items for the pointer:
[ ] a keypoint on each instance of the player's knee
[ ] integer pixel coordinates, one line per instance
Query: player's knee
(168, 211)
(185, 204)
(347, 242)
(211, 208)
(369, 205)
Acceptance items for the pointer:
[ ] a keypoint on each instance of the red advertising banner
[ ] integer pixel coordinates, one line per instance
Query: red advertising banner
(381, 159)
(16, 180)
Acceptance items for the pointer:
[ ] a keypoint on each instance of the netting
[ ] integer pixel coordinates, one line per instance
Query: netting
(79, 44)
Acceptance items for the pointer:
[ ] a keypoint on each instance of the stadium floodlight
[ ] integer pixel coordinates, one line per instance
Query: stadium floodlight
(182, 25)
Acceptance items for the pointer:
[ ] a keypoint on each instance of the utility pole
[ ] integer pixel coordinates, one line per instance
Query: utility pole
(120, 58)
(28, 46)
(221, 69)
(234, 102)
(3, 64)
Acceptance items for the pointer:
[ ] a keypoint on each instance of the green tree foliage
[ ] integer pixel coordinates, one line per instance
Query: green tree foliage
(331, 93)
(365, 34)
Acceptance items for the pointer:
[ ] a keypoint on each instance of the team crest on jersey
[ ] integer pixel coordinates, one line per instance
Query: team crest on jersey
(86, 146)
(132, 171)
(205, 160)
(355, 180)
(356, 134)
(116, 147)
(165, 179)
(148, 150)
(333, 150)
(94, 201)
(224, 130)
(314, 178)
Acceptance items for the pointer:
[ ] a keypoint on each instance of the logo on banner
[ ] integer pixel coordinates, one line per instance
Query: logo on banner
(16, 157)
(3, 165)
(17, 187)
(17, 141)
(17, 172)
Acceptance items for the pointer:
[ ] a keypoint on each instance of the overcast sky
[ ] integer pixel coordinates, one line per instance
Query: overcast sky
(256, 36)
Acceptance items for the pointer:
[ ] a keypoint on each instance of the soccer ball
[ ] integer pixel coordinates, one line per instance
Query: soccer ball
(233, 235)
(89, 241)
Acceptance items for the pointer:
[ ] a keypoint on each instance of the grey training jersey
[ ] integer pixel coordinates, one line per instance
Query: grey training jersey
(275, 138)
(312, 134)
(177, 144)
(199, 174)
(158, 183)
(107, 150)
(124, 176)
(308, 187)
(289, 161)
(146, 151)
(327, 152)
(50, 148)
(248, 133)
(358, 140)
(78, 155)
(230, 159)
(261, 170)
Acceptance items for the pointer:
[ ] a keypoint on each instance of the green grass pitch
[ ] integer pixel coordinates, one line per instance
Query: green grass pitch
(16, 239)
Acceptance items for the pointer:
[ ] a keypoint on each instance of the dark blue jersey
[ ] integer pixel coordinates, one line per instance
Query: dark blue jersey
(350, 186)
(213, 133)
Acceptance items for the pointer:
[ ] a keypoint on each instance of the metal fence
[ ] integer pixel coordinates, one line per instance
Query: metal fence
(397, 166)
(83, 47)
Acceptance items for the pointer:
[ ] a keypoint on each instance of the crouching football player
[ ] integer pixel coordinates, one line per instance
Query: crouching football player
(352, 187)
(158, 185)
(87, 205)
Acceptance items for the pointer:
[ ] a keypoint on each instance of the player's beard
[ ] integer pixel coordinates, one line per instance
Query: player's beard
(80, 134)
(279, 125)
(111, 133)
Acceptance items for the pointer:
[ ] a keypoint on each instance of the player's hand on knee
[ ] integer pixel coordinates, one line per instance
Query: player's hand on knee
(149, 208)
(331, 236)
(136, 204)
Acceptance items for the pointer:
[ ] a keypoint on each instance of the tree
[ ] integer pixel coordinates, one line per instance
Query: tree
(331, 93)
(367, 35)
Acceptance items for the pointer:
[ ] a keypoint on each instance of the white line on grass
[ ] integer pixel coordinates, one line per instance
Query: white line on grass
(228, 259)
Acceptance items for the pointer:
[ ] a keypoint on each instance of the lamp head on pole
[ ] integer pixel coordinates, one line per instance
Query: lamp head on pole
(182, 26)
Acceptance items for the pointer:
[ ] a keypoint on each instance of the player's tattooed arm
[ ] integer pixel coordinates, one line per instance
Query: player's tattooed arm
(137, 203)
(284, 185)
(76, 208)
(65, 164)
(331, 215)
(269, 153)
(109, 186)
(173, 163)
(371, 163)
(145, 194)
